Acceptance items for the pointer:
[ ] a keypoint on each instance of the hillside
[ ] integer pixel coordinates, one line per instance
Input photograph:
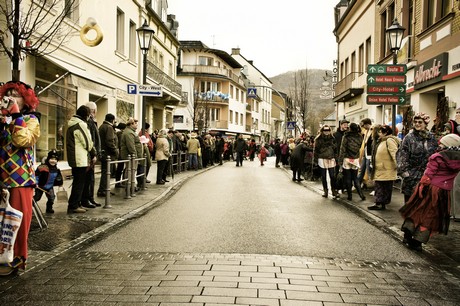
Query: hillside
(321, 108)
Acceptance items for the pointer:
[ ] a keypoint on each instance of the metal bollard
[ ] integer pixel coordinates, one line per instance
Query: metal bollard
(128, 175)
(133, 176)
(107, 186)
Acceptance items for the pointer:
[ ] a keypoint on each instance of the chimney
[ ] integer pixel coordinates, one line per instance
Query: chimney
(235, 51)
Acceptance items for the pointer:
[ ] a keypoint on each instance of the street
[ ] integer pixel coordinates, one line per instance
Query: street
(237, 235)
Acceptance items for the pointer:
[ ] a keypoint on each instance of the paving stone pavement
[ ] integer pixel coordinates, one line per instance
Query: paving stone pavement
(61, 272)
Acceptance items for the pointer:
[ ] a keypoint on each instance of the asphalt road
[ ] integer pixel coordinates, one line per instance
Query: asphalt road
(254, 210)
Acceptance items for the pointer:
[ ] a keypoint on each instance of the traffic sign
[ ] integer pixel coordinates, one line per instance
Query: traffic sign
(386, 89)
(386, 79)
(252, 93)
(387, 69)
(386, 99)
(290, 125)
(145, 90)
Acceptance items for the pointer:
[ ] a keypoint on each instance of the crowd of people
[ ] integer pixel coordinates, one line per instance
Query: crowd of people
(362, 156)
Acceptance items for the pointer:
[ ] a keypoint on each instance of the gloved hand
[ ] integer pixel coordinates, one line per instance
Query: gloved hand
(424, 182)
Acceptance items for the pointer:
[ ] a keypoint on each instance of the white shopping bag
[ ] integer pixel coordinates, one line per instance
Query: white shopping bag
(10, 221)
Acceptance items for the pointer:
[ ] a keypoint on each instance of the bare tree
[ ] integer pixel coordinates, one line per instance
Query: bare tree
(36, 28)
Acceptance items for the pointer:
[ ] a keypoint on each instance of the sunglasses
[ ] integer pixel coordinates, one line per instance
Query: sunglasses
(326, 130)
(419, 121)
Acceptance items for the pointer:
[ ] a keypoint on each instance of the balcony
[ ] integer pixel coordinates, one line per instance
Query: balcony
(212, 96)
(221, 124)
(350, 86)
(201, 69)
(162, 78)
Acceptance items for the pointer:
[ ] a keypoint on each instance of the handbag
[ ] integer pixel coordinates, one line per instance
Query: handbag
(339, 183)
(62, 195)
(10, 221)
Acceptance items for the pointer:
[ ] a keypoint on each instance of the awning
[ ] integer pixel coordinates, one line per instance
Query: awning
(77, 71)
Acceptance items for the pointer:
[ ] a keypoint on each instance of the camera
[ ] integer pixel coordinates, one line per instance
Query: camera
(6, 102)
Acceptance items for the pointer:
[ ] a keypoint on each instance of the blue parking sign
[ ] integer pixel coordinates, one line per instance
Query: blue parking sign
(132, 89)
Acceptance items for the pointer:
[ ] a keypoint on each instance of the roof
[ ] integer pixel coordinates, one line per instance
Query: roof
(196, 45)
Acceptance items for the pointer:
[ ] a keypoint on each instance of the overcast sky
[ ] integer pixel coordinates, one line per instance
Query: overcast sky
(279, 36)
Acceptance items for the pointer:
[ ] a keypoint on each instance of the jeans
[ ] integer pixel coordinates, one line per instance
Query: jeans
(365, 166)
(193, 161)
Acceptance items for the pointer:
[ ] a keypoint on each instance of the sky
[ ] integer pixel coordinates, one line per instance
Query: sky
(278, 36)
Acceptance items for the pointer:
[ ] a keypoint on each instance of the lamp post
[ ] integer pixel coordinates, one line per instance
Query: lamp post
(395, 36)
(145, 35)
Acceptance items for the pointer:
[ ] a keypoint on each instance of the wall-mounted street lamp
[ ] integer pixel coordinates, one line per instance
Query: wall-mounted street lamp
(395, 35)
(145, 35)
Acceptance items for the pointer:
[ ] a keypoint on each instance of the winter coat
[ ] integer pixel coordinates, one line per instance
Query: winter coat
(16, 153)
(443, 167)
(384, 159)
(240, 145)
(325, 147)
(108, 140)
(162, 148)
(416, 148)
(193, 145)
(351, 145)
(48, 176)
(79, 144)
(94, 132)
(130, 144)
(298, 156)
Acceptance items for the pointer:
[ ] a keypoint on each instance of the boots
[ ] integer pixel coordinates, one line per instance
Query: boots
(49, 208)
(325, 192)
(349, 197)
(361, 194)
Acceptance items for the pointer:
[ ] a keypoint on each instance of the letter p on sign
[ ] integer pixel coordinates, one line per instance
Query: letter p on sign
(132, 89)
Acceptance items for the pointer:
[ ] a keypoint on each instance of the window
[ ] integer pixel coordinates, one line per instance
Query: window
(368, 52)
(170, 70)
(435, 10)
(353, 64)
(120, 31)
(214, 114)
(206, 86)
(231, 116)
(241, 119)
(361, 59)
(71, 9)
(132, 41)
(161, 63)
(205, 61)
(236, 118)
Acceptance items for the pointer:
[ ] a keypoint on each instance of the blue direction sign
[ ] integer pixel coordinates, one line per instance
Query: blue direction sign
(290, 125)
(145, 90)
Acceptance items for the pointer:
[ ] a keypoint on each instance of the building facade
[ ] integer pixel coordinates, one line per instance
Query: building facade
(430, 49)
(96, 61)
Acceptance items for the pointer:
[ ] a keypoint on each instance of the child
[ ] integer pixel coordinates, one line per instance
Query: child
(263, 154)
(48, 175)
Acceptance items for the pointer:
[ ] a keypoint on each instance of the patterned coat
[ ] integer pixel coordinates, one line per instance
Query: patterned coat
(413, 156)
(16, 153)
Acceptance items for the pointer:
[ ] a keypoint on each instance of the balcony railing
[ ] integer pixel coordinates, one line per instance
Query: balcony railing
(353, 80)
(212, 70)
(162, 78)
(221, 124)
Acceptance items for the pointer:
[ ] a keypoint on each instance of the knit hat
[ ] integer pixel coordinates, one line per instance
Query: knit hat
(52, 154)
(422, 116)
(450, 140)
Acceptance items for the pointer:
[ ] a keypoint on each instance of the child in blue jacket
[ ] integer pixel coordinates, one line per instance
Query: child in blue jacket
(48, 175)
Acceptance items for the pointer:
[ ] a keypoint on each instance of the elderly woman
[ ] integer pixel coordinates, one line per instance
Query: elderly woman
(417, 146)
(384, 167)
(162, 156)
(19, 132)
(428, 210)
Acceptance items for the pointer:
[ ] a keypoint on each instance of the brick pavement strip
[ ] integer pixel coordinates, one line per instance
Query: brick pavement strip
(111, 278)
